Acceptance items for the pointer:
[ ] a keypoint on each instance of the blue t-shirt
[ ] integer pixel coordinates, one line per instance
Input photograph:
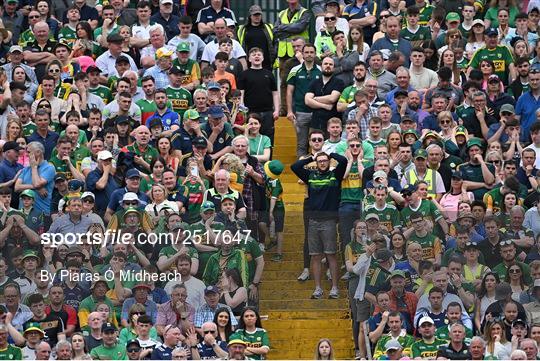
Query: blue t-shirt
(47, 172)
(207, 352)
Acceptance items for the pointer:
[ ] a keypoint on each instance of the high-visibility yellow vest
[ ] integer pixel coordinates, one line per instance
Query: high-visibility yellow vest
(430, 178)
(285, 46)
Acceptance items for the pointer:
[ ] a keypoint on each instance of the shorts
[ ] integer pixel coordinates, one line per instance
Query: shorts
(322, 237)
(279, 219)
(360, 310)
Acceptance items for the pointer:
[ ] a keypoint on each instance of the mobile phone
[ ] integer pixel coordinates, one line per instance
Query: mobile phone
(194, 171)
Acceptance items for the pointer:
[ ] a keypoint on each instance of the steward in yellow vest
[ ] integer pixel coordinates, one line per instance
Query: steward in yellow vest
(291, 22)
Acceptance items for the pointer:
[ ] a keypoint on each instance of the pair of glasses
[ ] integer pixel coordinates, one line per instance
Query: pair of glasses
(473, 244)
(495, 162)
(506, 243)
(514, 270)
(207, 332)
(445, 122)
(355, 145)
(386, 16)
(133, 350)
(333, 18)
(45, 106)
(317, 140)
(133, 203)
(54, 70)
(34, 17)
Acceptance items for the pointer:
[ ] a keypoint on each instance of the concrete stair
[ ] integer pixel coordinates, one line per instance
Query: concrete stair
(294, 321)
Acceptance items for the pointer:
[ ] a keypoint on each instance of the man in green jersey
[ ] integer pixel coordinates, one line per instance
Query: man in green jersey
(413, 32)
(95, 87)
(62, 161)
(68, 34)
(144, 153)
(180, 97)
(191, 71)
(397, 333)
(423, 206)
(500, 55)
(387, 212)
(147, 105)
(7, 351)
(227, 258)
(346, 99)
(428, 346)
(110, 349)
(431, 245)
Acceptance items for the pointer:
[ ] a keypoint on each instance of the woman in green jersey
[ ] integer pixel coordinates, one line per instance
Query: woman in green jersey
(250, 331)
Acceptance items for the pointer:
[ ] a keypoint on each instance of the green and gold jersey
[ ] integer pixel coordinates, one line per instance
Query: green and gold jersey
(427, 350)
(494, 200)
(256, 339)
(444, 331)
(148, 154)
(103, 92)
(388, 216)
(26, 37)
(425, 14)
(351, 187)
(406, 342)
(191, 70)
(11, 353)
(347, 96)
(500, 56)
(180, 98)
(67, 35)
(431, 245)
(274, 189)
(60, 167)
(217, 264)
(417, 37)
(353, 251)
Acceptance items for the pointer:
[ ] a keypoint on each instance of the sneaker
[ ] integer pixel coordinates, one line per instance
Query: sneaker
(328, 275)
(277, 257)
(357, 355)
(334, 293)
(304, 276)
(317, 294)
(346, 276)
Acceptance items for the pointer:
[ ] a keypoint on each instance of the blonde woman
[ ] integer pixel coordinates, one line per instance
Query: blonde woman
(447, 125)
(14, 130)
(158, 195)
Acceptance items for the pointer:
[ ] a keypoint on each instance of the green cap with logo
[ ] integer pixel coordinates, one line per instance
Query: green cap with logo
(191, 114)
(452, 17)
(28, 193)
(475, 141)
(29, 253)
(420, 153)
(183, 46)
(207, 206)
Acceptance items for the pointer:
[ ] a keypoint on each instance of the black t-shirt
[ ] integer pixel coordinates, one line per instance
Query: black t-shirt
(258, 85)
(52, 325)
(255, 38)
(319, 88)
(450, 353)
(92, 342)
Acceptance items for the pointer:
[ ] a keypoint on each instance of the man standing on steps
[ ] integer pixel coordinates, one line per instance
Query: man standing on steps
(298, 82)
(324, 189)
(316, 142)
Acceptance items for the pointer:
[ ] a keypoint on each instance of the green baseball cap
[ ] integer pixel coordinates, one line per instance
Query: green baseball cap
(207, 206)
(411, 131)
(452, 17)
(420, 153)
(191, 114)
(28, 193)
(475, 141)
(29, 253)
(183, 46)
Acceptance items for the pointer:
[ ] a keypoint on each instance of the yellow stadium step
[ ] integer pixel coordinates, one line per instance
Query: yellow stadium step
(294, 321)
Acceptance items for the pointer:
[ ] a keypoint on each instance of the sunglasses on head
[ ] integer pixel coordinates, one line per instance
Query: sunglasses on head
(506, 243)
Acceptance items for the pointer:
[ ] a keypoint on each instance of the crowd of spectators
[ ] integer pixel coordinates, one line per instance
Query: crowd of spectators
(139, 193)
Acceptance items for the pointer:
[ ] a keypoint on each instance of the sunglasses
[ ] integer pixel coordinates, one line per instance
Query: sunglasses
(317, 140)
(445, 122)
(54, 70)
(34, 17)
(534, 71)
(44, 106)
(355, 145)
(133, 349)
(495, 162)
(386, 16)
(333, 18)
(89, 200)
(506, 243)
(514, 270)
(133, 203)
(207, 332)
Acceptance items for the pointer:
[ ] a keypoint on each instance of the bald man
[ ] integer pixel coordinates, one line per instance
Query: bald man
(144, 153)
(40, 52)
(43, 351)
